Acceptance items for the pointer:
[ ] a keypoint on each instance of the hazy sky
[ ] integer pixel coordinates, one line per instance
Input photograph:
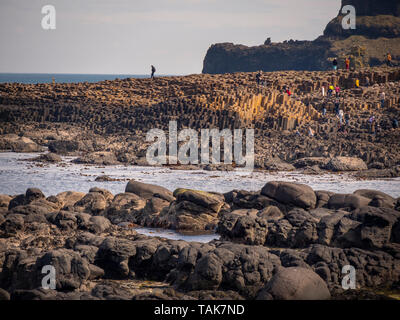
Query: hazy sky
(127, 36)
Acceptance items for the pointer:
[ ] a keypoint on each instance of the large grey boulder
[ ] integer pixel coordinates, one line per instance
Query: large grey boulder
(295, 283)
(289, 193)
(346, 164)
(352, 201)
(148, 191)
(378, 198)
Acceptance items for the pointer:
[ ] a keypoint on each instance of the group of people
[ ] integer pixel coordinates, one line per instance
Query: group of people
(347, 62)
(331, 91)
(335, 63)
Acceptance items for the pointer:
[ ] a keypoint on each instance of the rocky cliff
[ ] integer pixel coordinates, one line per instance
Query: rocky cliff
(377, 32)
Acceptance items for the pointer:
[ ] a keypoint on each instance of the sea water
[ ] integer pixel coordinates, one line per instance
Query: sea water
(17, 174)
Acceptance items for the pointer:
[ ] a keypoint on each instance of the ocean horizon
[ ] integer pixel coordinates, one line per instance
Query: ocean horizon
(36, 78)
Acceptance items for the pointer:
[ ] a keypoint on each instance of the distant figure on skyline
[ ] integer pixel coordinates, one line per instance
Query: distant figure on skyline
(153, 70)
(347, 64)
(334, 63)
(258, 77)
(389, 59)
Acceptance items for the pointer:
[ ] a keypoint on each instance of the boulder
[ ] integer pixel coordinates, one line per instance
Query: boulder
(98, 158)
(378, 226)
(95, 224)
(71, 269)
(30, 195)
(18, 144)
(242, 199)
(295, 283)
(270, 213)
(125, 207)
(193, 211)
(48, 157)
(93, 202)
(147, 191)
(12, 224)
(105, 178)
(346, 164)
(106, 194)
(323, 197)
(69, 198)
(276, 164)
(352, 201)
(207, 200)
(378, 198)
(310, 162)
(4, 200)
(63, 146)
(289, 193)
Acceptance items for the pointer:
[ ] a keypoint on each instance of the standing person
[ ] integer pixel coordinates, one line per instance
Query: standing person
(337, 90)
(347, 119)
(357, 83)
(371, 122)
(367, 81)
(395, 124)
(389, 59)
(330, 91)
(153, 71)
(334, 63)
(341, 116)
(347, 63)
(337, 105)
(323, 91)
(324, 109)
(377, 127)
(383, 96)
(258, 77)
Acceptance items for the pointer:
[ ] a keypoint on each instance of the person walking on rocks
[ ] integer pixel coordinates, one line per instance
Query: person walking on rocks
(153, 71)
(347, 64)
(347, 119)
(324, 109)
(310, 132)
(389, 59)
(337, 90)
(258, 78)
(367, 81)
(371, 122)
(334, 63)
(337, 105)
(330, 90)
(340, 115)
(383, 96)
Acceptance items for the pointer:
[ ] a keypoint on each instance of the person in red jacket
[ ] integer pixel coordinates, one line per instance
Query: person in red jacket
(347, 64)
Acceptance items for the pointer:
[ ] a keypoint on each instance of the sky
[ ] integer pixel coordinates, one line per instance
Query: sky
(127, 36)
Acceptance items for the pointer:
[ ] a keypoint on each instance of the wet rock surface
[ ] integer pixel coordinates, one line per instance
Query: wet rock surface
(288, 244)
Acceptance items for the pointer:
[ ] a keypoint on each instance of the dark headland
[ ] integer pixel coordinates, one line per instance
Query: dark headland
(377, 31)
